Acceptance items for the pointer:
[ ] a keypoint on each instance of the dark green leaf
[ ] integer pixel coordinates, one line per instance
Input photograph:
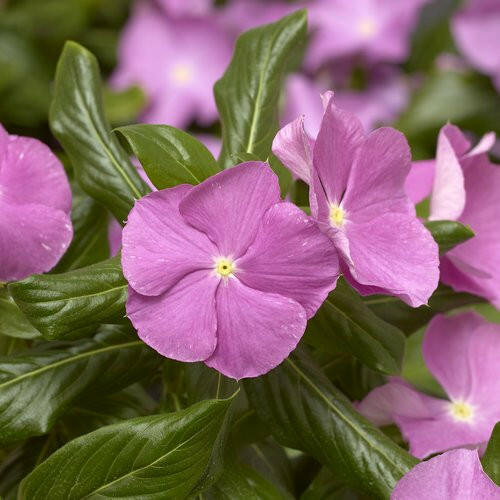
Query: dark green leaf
(123, 106)
(326, 486)
(491, 457)
(305, 411)
(173, 455)
(448, 233)
(13, 323)
(62, 304)
(39, 385)
(248, 93)
(77, 119)
(169, 156)
(345, 323)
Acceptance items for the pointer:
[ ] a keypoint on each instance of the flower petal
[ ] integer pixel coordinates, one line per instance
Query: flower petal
(229, 206)
(290, 256)
(32, 174)
(450, 476)
(159, 247)
(256, 330)
(376, 182)
(294, 148)
(180, 323)
(418, 184)
(394, 252)
(32, 239)
(340, 136)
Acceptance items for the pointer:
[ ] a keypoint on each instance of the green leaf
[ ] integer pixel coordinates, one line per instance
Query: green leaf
(39, 385)
(491, 457)
(13, 323)
(77, 119)
(123, 106)
(172, 455)
(90, 233)
(326, 486)
(62, 304)
(305, 411)
(247, 95)
(169, 156)
(345, 323)
(448, 233)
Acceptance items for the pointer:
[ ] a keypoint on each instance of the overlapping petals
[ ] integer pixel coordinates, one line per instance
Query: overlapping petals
(225, 272)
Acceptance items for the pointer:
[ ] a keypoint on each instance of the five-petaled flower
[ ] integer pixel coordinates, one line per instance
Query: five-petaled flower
(356, 191)
(35, 203)
(225, 272)
(462, 353)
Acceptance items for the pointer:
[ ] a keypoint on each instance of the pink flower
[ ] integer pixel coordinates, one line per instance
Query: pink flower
(35, 206)
(462, 353)
(186, 7)
(464, 186)
(224, 272)
(357, 197)
(476, 28)
(176, 61)
(454, 475)
(379, 30)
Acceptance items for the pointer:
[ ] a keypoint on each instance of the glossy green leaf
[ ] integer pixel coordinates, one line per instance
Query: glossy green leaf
(326, 486)
(305, 411)
(169, 156)
(77, 119)
(123, 106)
(345, 323)
(491, 457)
(247, 95)
(448, 233)
(13, 323)
(39, 385)
(172, 455)
(62, 304)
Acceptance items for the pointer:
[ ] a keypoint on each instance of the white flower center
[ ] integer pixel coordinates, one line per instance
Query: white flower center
(182, 73)
(367, 27)
(461, 411)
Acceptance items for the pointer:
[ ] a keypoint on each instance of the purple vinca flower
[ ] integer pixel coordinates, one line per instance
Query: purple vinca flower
(465, 186)
(476, 28)
(356, 191)
(176, 61)
(378, 30)
(454, 475)
(186, 7)
(225, 272)
(35, 206)
(462, 353)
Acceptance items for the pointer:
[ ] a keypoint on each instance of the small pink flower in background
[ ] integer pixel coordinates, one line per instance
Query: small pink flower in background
(186, 7)
(462, 353)
(465, 186)
(454, 475)
(377, 30)
(357, 197)
(475, 28)
(35, 206)
(225, 272)
(176, 61)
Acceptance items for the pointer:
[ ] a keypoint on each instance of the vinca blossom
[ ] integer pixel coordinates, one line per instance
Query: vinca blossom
(356, 190)
(462, 353)
(465, 186)
(225, 272)
(454, 475)
(176, 61)
(186, 7)
(35, 206)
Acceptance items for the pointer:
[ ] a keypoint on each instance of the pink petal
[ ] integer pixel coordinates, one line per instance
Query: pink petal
(290, 256)
(376, 183)
(180, 323)
(4, 138)
(340, 136)
(418, 184)
(32, 239)
(448, 193)
(256, 330)
(294, 148)
(229, 206)
(32, 174)
(454, 475)
(394, 252)
(484, 145)
(159, 247)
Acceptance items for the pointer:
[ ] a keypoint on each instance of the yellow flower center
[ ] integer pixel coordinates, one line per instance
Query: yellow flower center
(182, 73)
(336, 215)
(461, 411)
(367, 27)
(224, 267)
